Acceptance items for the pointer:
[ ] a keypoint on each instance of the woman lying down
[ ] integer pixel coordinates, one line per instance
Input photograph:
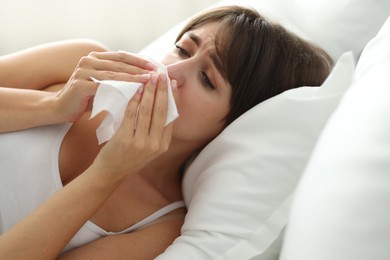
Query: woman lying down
(64, 195)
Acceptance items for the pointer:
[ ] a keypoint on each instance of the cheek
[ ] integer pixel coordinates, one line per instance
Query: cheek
(199, 119)
(196, 104)
(192, 104)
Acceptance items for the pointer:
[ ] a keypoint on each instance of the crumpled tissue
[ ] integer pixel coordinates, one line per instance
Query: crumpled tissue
(113, 96)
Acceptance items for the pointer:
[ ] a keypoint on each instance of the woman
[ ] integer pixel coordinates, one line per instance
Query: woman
(224, 62)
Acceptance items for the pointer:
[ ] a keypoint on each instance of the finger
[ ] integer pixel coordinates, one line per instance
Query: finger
(83, 74)
(110, 70)
(125, 57)
(117, 66)
(129, 121)
(160, 108)
(83, 86)
(146, 107)
(112, 75)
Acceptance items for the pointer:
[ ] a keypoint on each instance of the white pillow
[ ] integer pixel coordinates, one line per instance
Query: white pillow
(341, 209)
(337, 26)
(238, 188)
(204, 210)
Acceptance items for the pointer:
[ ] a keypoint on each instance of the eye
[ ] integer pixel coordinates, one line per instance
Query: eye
(206, 81)
(181, 51)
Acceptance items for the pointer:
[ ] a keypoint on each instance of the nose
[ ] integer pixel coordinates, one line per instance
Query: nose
(179, 71)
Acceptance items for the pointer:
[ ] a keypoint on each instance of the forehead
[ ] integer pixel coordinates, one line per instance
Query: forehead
(217, 35)
(207, 32)
(205, 36)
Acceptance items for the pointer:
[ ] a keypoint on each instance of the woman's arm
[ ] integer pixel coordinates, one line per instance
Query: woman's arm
(36, 68)
(44, 65)
(20, 109)
(44, 233)
(25, 108)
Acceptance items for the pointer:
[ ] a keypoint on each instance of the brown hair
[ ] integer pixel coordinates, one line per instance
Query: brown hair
(260, 59)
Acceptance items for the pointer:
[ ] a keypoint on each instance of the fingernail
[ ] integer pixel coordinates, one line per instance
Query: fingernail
(174, 84)
(145, 77)
(151, 66)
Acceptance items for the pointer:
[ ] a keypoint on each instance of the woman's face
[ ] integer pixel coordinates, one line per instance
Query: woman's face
(202, 95)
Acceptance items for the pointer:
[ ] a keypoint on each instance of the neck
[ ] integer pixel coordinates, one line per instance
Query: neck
(164, 172)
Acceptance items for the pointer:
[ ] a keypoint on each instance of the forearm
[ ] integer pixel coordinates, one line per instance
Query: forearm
(45, 232)
(44, 65)
(21, 109)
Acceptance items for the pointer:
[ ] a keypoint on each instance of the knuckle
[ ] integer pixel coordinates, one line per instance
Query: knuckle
(77, 82)
(79, 76)
(78, 71)
(131, 114)
(110, 75)
(93, 53)
(122, 56)
(161, 111)
(85, 61)
(120, 66)
(150, 89)
(145, 111)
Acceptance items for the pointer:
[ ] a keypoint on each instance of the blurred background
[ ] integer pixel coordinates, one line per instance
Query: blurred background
(119, 24)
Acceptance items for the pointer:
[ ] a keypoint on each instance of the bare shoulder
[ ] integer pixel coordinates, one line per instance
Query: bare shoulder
(146, 243)
(43, 65)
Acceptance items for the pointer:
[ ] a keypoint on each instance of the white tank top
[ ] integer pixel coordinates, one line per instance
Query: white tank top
(29, 174)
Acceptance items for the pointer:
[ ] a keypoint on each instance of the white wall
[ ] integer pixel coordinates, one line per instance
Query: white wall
(119, 24)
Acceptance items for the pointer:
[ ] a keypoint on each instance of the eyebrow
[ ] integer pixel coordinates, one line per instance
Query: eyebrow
(213, 56)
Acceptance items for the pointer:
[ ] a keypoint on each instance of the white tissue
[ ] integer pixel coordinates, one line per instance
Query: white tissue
(113, 96)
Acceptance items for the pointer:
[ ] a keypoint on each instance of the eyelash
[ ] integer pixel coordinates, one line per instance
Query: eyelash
(203, 78)
(181, 51)
(207, 82)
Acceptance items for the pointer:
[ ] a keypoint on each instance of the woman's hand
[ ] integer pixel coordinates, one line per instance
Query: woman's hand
(74, 99)
(141, 138)
(143, 135)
